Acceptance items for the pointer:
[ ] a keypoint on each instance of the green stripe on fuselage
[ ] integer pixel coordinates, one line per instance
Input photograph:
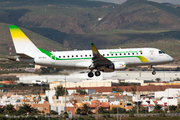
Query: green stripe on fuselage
(142, 58)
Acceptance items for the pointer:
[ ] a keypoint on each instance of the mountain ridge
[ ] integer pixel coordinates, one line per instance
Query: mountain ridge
(71, 26)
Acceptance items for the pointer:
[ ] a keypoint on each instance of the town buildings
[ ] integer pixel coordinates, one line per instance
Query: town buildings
(101, 92)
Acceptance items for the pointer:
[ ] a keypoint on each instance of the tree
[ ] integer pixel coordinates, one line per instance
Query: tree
(1, 110)
(178, 106)
(120, 110)
(39, 97)
(85, 108)
(45, 88)
(138, 104)
(131, 112)
(172, 108)
(60, 91)
(133, 89)
(101, 110)
(52, 112)
(157, 107)
(123, 84)
(113, 89)
(158, 79)
(177, 79)
(26, 108)
(46, 98)
(22, 84)
(9, 109)
(78, 111)
(81, 91)
(45, 70)
(90, 112)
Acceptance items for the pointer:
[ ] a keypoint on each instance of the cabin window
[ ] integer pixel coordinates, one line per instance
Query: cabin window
(107, 54)
(124, 53)
(128, 53)
(85, 55)
(111, 54)
(120, 54)
(63, 56)
(72, 56)
(132, 53)
(137, 53)
(103, 54)
(59, 56)
(141, 53)
(116, 54)
(68, 56)
(90, 55)
(81, 55)
(76, 55)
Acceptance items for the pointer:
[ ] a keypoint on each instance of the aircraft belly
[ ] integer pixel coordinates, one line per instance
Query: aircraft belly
(81, 64)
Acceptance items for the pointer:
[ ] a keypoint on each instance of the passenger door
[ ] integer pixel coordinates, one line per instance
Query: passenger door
(151, 52)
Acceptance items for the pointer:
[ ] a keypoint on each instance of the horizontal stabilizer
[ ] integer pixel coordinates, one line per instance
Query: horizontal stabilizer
(24, 56)
(13, 58)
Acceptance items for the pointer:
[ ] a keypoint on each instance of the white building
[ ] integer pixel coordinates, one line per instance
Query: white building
(171, 92)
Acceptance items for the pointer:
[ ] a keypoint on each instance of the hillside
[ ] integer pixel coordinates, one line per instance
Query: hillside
(141, 15)
(74, 24)
(69, 16)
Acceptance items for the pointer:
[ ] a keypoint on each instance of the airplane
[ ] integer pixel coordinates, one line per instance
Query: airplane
(105, 60)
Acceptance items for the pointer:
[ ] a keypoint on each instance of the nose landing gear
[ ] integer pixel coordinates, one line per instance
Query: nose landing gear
(153, 72)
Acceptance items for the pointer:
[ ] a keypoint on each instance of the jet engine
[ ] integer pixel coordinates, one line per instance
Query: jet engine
(119, 65)
(107, 68)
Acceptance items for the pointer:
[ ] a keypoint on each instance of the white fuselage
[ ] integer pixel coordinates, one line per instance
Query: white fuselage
(83, 59)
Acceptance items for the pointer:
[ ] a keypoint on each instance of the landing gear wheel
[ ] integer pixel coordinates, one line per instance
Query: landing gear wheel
(90, 74)
(153, 72)
(97, 73)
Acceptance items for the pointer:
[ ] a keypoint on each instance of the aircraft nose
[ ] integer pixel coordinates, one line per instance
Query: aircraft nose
(170, 58)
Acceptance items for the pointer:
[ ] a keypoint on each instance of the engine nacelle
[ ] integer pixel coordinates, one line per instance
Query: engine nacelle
(119, 65)
(107, 68)
(113, 66)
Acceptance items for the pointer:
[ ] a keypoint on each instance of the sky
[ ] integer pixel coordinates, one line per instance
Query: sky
(160, 1)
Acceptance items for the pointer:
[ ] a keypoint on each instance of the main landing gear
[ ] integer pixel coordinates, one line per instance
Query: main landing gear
(91, 74)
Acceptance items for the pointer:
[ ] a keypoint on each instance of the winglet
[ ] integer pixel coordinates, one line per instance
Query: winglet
(94, 49)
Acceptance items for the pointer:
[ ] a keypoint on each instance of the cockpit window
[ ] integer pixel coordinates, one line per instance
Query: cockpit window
(161, 52)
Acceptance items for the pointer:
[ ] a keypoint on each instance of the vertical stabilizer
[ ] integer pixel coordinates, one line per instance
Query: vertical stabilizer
(23, 45)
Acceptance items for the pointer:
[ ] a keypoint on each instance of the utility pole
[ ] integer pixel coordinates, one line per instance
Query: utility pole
(41, 94)
(168, 99)
(41, 98)
(96, 116)
(137, 107)
(117, 111)
(65, 92)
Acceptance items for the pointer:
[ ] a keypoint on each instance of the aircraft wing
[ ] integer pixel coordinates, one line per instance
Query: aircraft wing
(98, 59)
